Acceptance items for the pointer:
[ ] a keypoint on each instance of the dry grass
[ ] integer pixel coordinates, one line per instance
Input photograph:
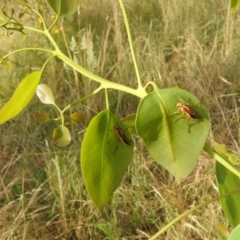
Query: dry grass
(193, 44)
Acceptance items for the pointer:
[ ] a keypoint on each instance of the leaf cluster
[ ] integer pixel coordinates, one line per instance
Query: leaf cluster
(173, 123)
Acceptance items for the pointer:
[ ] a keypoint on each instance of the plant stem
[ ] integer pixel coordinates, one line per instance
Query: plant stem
(131, 44)
(82, 99)
(221, 160)
(104, 83)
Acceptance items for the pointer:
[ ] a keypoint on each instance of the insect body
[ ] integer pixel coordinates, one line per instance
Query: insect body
(122, 136)
(187, 112)
(124, 139)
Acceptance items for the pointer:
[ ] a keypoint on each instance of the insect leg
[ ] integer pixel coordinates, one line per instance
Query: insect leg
(115, 149)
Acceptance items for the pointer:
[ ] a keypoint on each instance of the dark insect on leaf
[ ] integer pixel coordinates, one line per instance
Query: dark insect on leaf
(187, 111)
(122, 136)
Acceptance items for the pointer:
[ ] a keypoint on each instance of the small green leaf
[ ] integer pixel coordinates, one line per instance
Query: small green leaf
(42, 117)
(77, 117)
(222, 228)
(235, 233)
(7, 63)
(45, 94)
(233, 159)
(21, 97)
(61, 136)
(220, 148)
(174, 141)
(104, 156)
(63, 7)
(227, 181)
(223, 151)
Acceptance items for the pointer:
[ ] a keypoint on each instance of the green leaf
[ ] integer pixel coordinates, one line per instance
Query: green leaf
(7, 63)
(233, 159)
(42, 117)
(174, 141)
(21, 97)
(234, 4)
(61, 136)
(220, 148)
(227, 181)
(63, 7)
(235, 233)
(77, 117)
(129, 122)
(45, 94)
(104, 157)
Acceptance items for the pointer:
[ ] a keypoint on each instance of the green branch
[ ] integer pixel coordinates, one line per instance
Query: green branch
(131, 44)
(221, 160)
(104, 83)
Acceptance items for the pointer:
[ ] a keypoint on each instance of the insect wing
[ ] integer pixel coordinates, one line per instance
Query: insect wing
(188, 111)
(193, 114)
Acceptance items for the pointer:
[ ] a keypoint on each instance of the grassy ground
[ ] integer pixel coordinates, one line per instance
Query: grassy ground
(193, 44)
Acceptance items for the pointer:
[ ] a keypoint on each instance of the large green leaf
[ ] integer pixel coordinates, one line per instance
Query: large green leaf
(172, 140)
(227, 181)
(63, 7)
(21, 97)
(235, 233)
(104, 156)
